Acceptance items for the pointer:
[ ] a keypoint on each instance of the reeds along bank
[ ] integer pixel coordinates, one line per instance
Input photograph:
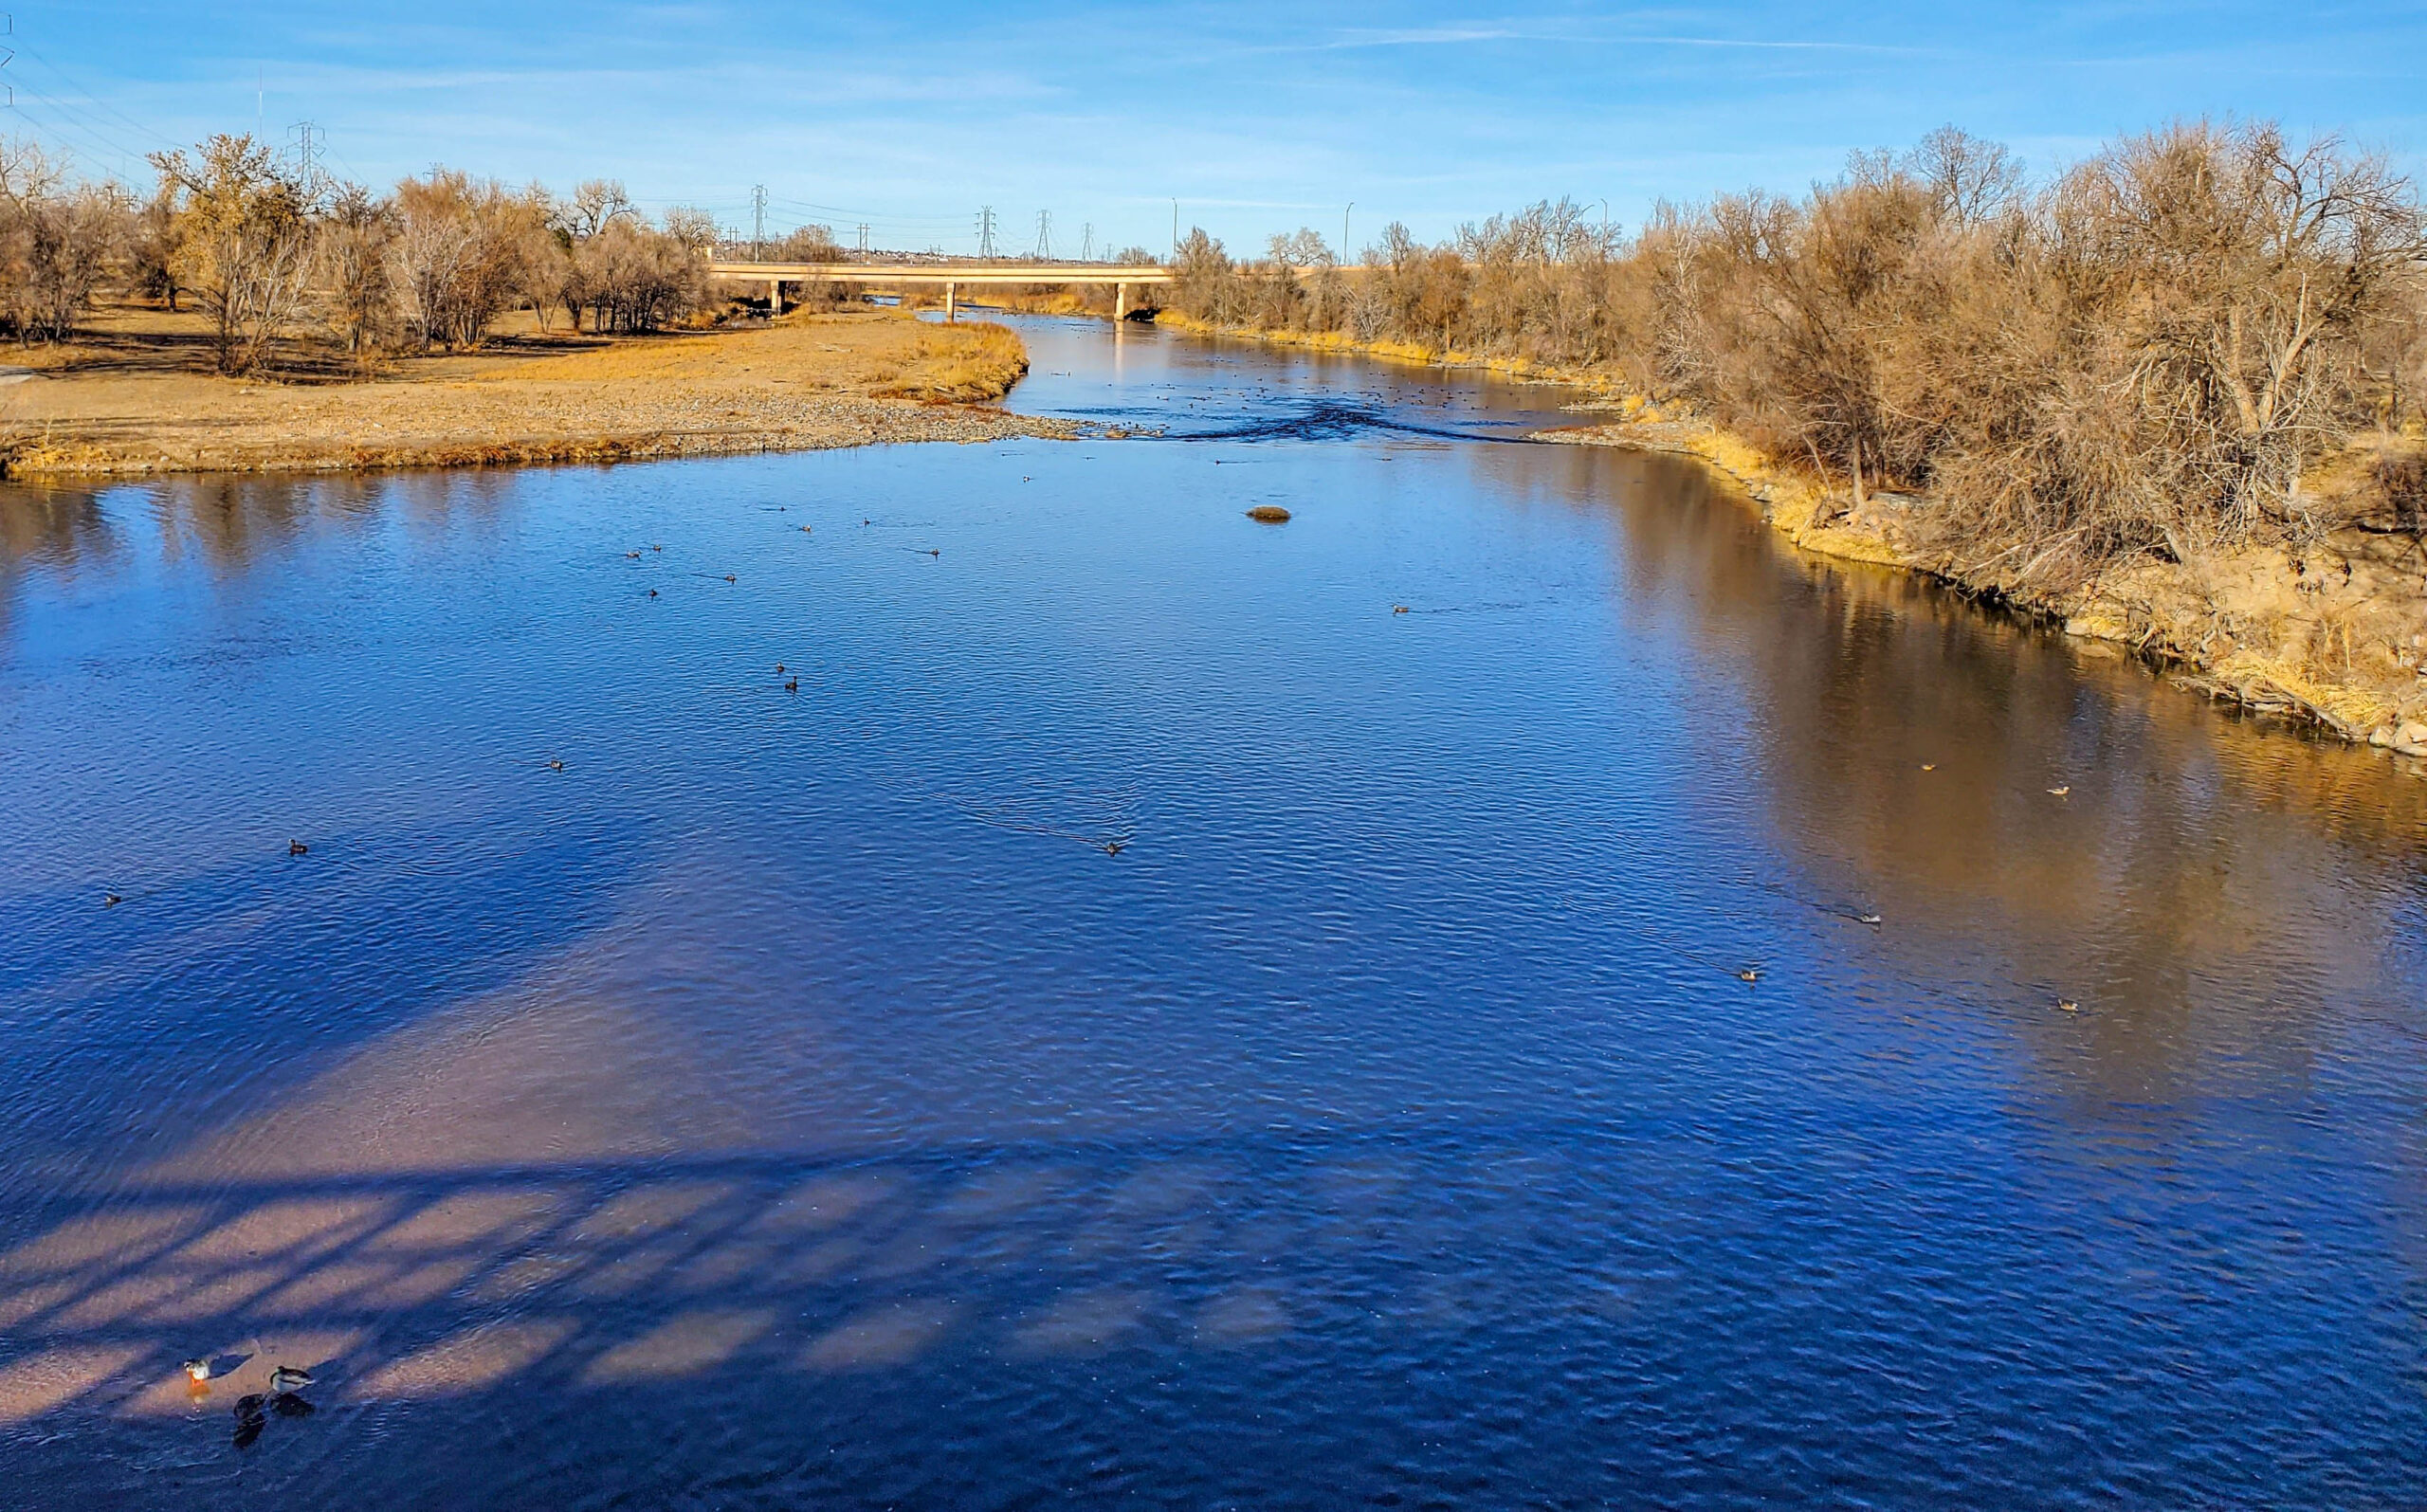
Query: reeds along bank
(2141, 354)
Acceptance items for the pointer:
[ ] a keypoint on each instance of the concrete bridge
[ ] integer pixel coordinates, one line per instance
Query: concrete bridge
(951, 277)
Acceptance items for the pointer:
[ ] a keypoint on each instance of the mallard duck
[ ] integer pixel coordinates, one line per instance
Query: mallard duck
(296, 847)
(1398, 608)
(728, 577)
(289, 1378)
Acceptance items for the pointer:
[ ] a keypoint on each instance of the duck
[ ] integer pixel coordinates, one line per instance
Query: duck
(111, 899)
(728, 577)
(555, 765)
(1114, 847)
(2058, 792)
(793, 687)
(1872, 919)
(289, 1378)
(197, 1370)
(296, 847)
(2068, 1006)
(1929, 766)
(1398, 608)
(806, 531)
(1748, 973)
(652, 592)
(655, 548)
(632, 557)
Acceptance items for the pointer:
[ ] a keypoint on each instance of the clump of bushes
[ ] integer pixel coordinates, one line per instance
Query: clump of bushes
(274, 257)
(2139, 355)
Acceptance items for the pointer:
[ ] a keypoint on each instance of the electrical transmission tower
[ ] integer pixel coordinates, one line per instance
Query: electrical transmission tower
(1088, 243)
(863, 238)
(7, 29)
(310, 142)
(1045, 236)
(758, 223)
(986, 231)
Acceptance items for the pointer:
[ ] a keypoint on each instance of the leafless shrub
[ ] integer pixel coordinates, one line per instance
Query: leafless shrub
(240, 240)
(57, 243)
(2140, 357)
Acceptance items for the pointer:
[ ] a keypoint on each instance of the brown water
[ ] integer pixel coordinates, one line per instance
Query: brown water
(792, 1100)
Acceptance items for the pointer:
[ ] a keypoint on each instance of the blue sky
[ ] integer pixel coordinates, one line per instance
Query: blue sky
(1256, 117)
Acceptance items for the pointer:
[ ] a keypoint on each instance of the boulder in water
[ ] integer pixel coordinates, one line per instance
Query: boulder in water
(1269, 515)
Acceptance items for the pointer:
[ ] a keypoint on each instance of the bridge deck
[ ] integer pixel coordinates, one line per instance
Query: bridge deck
(938, 273)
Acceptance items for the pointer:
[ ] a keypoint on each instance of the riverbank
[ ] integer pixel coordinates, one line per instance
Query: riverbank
(2332, 633)
(134, 397)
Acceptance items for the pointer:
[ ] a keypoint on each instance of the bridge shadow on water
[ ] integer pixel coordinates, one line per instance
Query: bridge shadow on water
(568, 1328)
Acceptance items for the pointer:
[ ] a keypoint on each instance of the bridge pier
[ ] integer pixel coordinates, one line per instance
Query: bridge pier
(776, 296)
(1119, 303)
(951, 302)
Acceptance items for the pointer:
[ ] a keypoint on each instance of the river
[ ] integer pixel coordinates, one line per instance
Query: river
(980, 977)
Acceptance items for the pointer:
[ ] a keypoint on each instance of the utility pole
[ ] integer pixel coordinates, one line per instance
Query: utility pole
(758, 223)
(986, 231)
(1343, 233)
(1045, 236)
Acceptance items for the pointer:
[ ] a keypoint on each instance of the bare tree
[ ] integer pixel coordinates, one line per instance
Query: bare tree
(241, 243)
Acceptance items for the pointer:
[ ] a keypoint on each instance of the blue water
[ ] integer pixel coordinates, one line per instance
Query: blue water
(1146, 1019)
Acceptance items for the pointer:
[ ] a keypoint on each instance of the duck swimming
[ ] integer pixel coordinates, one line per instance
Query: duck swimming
(197, 1370)
(289, 1378)
(296, 847)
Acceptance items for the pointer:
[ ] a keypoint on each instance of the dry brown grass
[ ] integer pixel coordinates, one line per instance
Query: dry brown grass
(964, 363)
(137, 396)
